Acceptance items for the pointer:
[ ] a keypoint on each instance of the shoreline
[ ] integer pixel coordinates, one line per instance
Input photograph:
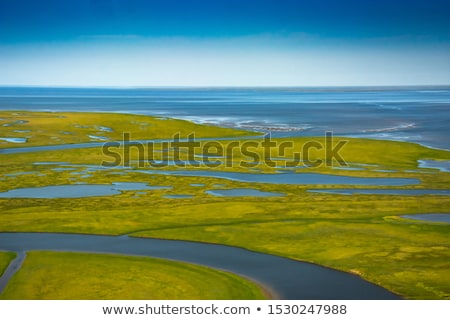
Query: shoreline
(351, 112)
(15, 147)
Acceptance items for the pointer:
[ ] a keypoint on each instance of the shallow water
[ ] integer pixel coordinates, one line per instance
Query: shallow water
(101, 138)
(407, 114)
(63, 169)
(197, 184)
(404, 192)
(178, 196)
(289, 178)
(433, 217)
(289, 279)
(243, 192)
(78, 190)
(14, 140)
(435, 164)
(105, 129)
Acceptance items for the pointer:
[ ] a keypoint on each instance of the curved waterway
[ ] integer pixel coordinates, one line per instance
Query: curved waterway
(288, 177)
(286, 278)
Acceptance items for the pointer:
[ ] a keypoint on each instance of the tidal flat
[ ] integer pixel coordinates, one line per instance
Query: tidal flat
(362, 233)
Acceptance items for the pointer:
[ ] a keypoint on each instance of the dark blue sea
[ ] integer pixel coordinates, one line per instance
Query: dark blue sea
(416, 114)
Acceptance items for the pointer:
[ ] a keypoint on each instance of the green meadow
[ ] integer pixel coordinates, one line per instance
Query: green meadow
(363, 233)
(50, 128)
(75, 276)
(5, 259)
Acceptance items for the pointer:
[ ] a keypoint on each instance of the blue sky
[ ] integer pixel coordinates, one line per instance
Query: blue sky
(224, 43)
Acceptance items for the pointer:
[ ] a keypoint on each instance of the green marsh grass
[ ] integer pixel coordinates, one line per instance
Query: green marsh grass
(52, 128)
(74, 276)
(362, 234)
(5, 259)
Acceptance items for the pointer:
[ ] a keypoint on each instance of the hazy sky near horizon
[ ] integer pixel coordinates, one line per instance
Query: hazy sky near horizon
(224, 42)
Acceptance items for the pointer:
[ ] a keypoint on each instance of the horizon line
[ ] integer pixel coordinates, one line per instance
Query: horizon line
(226, 86)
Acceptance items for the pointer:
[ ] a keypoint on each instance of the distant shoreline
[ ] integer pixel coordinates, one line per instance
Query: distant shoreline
(413, 114)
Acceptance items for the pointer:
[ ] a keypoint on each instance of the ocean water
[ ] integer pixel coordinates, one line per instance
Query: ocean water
(419, 114)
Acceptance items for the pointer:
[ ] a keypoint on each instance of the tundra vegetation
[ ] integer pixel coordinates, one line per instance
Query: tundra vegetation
(361, 233)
